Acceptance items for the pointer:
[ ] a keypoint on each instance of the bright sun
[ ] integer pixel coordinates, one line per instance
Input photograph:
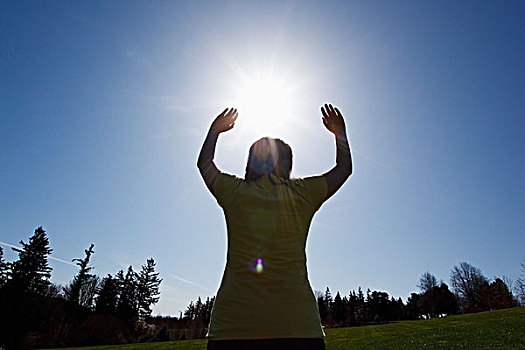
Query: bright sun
(264, 104)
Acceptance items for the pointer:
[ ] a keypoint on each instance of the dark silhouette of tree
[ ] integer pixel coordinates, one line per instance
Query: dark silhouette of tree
(329, 320)
(520, 284)
(352, 307)
(397, 308)
(378, 305)
(498, 296)
(193, 322)
(22, 294)
(31, 272)
(360, 307)
(468, 282)
(107, 296)
(321, 305)
(89, 291)
(208, 306)
(148, 283)
(338, 310)
(82, 282)
(127, 301)
(4, 269)
(190, 311)
(438, 301)
(446, 301)
(54, 291)
(412, 308)
(427, 281)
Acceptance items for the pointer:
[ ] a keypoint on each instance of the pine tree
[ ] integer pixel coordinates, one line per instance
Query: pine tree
(360, 307)
(127, 302)
(4, 269)
(148, 283)
(88, 292)
(338, 309)
(31, 272)
(190, 311)
(80, 281)
(328, 299)
(198, 308)
(107, 296)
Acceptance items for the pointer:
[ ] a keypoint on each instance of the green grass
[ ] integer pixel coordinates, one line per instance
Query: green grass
(503, 329)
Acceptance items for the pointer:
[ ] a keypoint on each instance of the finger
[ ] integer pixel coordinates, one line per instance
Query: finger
(233, 115)
(325, 115)
(338, 113)
(223, 112)
(325, 123)
(331, 109)
(328, 108)
(230, 112)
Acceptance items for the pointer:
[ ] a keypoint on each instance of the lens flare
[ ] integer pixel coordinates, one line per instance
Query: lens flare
(258, 267)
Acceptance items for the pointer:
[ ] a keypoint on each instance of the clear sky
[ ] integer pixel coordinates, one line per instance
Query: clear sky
(104, 106)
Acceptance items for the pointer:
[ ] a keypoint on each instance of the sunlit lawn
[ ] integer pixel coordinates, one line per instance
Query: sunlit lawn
(503, 329)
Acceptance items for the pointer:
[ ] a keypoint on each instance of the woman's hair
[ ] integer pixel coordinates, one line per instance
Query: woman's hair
(269, 155)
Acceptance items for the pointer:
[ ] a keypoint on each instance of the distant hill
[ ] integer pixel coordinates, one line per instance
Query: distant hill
(502, 329)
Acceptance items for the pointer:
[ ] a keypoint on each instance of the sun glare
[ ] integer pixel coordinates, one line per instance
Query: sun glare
(265, 104)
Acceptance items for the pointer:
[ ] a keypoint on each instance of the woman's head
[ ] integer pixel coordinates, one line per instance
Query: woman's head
(269, 155)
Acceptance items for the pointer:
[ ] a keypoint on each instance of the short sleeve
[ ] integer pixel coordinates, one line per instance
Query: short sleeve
(316, 190)
(224, 186)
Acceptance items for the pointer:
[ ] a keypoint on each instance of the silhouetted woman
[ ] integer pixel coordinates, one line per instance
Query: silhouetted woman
(265, 300)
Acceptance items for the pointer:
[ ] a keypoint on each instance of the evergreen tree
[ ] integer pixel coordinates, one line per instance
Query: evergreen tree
(378, 304)
(190, 311)
(498, 296)
(352, 309)
(127, 303)
(446, 301)
(360, 307)
(413, 308)
(107, 296)
(31, 272)
(323, 311)
(208, 306)
(338, 310)
(198, 308)
(88, 292)
(79, 283)
(4, 269)
(119, 280)
(148, 283)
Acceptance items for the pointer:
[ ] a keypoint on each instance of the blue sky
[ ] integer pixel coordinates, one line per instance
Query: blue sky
(104, 107)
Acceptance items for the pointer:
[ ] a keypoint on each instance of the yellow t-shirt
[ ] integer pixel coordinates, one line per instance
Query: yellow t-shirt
(265, 292)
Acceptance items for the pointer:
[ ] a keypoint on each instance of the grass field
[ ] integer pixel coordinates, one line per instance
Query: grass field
(503, 329)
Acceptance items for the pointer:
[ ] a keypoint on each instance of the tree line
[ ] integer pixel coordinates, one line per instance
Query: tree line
(117, 308)
(471, 292)
(88, 311)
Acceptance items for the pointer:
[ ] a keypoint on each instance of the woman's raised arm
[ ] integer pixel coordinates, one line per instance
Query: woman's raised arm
(334, 122)
(224, 122)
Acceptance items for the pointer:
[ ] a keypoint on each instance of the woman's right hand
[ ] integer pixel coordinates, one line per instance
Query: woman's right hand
(224, 121)
(333, 120)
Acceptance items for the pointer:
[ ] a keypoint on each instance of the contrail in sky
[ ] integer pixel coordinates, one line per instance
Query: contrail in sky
(50, 257)
(189, 282)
